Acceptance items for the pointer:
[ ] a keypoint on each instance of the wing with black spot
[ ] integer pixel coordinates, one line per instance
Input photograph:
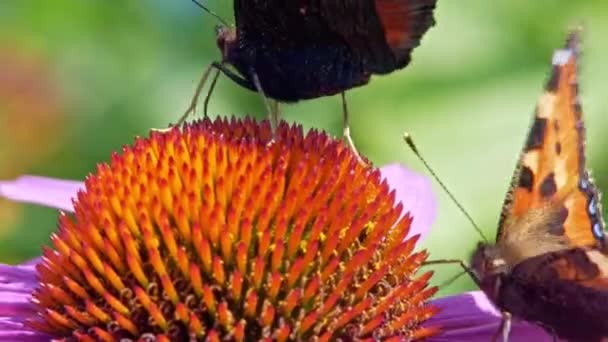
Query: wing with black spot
(551, 170)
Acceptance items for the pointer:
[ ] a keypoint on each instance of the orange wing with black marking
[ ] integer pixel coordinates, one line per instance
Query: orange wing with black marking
(549, 265)
(551, 171)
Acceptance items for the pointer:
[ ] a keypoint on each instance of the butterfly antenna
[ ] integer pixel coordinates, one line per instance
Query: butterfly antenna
(210, 12)
(410, 142)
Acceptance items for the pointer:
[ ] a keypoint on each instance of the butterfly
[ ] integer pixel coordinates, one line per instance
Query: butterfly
(549, 264)
(304, 49)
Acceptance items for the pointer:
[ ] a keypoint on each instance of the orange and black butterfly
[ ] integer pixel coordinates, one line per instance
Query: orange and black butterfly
(549, 265)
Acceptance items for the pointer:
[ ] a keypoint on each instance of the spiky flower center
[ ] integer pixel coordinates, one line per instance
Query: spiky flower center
(210, 232)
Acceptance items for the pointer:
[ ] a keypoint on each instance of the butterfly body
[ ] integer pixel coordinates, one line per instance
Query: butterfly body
(306, 49)
(290, 74)
(549, 265)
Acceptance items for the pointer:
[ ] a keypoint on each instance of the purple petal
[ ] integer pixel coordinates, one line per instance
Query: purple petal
(415, 192)
(16, 286)
(50, 192)
(472, 317)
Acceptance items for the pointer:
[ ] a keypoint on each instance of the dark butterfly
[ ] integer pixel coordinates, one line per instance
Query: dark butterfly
(549, 265)
(304, 49)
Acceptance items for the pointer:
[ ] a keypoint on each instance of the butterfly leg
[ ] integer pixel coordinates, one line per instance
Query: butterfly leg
(273, 117)
(197, 93)
(462, 264)
(346, 127)
(275, 113)
(505, 328)
(211, 88)
(256, 86)
(194, 101)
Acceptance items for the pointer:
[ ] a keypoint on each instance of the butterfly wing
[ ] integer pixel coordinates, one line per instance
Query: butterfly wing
(550, 263)
(565, 291)
(382, 32)
(263, 19)
(551, 171)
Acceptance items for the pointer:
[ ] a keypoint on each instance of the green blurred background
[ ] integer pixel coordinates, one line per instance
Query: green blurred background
(80, 78)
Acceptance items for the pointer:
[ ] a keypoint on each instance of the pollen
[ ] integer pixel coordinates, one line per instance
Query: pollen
(213, 231)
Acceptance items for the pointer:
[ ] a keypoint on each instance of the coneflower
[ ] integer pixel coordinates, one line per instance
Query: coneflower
(212, 232)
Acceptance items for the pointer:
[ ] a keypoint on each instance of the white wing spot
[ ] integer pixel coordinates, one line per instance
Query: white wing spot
(561, 57)
(546, 106)
(530, 160)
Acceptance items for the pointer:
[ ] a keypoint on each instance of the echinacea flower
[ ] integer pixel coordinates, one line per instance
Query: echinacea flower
(212, 232)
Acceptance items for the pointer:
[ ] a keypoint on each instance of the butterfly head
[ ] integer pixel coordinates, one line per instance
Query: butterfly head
(226, 40)
(489, 267)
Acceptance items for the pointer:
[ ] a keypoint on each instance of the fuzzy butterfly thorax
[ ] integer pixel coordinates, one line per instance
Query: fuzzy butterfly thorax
(549, 265)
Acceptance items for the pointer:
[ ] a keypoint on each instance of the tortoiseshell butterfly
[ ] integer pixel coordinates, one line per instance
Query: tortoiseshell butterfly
(549, 265)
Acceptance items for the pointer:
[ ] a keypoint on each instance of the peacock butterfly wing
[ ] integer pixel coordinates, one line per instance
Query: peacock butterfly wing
(312, 48)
